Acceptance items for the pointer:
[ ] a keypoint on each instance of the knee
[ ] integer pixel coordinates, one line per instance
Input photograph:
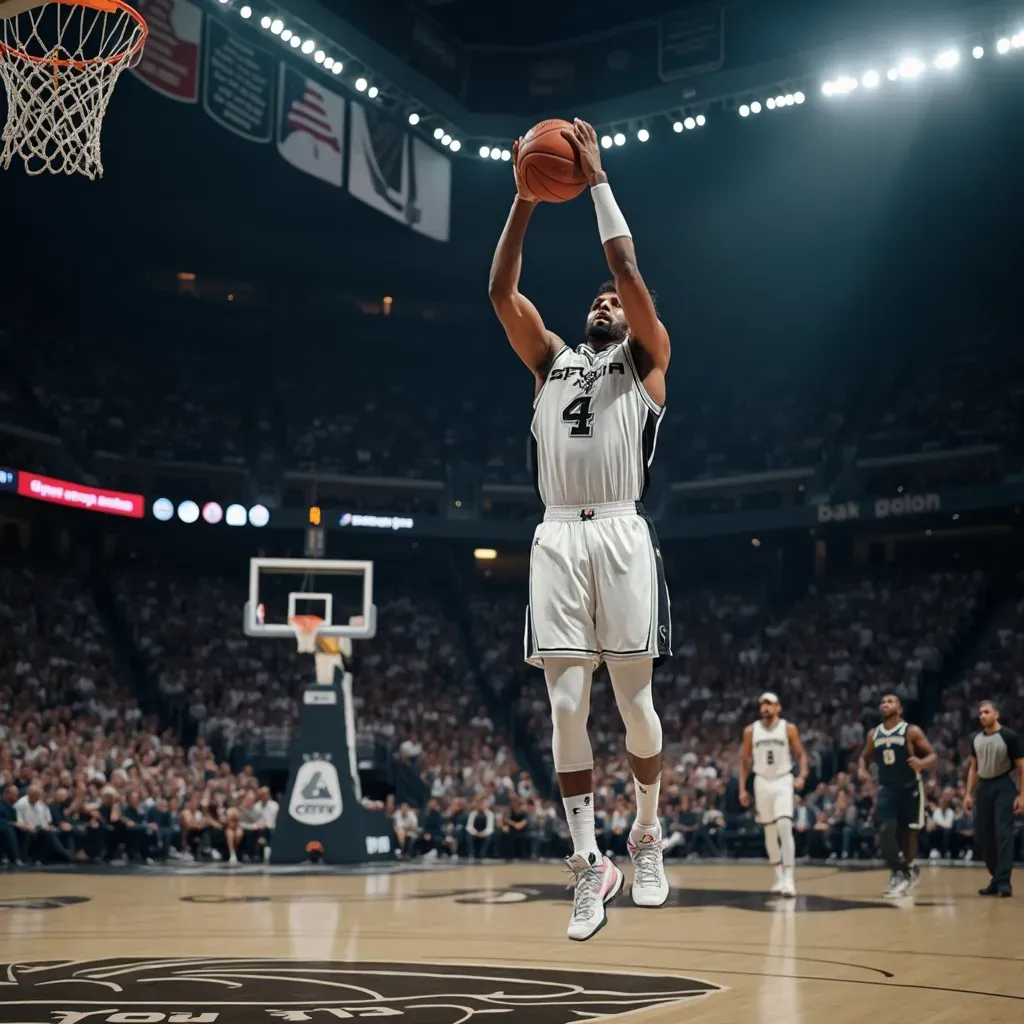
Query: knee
(566, 709)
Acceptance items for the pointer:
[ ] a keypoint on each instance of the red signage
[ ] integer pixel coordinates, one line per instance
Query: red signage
(95, 499)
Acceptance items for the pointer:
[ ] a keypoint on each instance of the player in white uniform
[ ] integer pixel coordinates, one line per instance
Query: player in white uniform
(597, 586)
(770, 744)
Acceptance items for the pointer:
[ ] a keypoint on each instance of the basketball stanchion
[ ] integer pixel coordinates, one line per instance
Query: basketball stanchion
(60, 62)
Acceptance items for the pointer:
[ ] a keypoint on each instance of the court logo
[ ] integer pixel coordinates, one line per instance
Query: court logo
(316, 795)
(40, 902)
(223, 990)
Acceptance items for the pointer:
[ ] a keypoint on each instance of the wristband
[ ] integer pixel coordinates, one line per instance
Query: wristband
(610, 222)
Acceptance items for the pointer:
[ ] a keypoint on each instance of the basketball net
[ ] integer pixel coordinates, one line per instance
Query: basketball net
(60, 62)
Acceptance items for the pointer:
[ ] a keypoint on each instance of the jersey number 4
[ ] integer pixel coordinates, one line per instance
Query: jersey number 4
(578, 413)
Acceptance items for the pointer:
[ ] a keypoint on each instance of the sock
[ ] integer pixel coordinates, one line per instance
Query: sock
(787, 842)
(579, 813)
(647, 796)
(771, 843)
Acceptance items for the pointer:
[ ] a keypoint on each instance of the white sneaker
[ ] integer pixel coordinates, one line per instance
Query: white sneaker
(232, 860)
(788, 885)
(780, 880)
(595, 885)
(898, 886)
(650, 886)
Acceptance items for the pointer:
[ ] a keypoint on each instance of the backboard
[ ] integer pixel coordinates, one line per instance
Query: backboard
(338, 591)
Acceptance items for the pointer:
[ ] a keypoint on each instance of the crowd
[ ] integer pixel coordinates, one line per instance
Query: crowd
(184, 397)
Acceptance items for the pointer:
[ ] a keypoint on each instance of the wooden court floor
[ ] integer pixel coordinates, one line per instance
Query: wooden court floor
(487, 943)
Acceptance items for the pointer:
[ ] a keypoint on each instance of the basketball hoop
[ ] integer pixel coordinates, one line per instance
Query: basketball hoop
(60, 61)
(306, 628)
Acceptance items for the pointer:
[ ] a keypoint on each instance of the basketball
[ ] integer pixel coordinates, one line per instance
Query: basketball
(547, 163)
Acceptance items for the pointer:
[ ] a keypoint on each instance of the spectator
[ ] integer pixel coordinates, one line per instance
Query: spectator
(406, 825)
(37, 836)
(9, 832)
(480, 829)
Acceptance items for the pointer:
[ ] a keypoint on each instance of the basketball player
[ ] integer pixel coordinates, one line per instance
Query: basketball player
(902, 752)
(597, 585)
(771, 743)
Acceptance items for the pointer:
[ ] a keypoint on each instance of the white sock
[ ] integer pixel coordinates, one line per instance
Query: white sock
(787, 842)
(647, 796)
(579, 813)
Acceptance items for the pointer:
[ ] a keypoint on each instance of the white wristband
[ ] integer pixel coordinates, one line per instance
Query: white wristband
(610, 222)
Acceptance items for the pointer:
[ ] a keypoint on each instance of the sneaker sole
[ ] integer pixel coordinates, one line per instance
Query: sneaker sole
(647, 906)
(612, 893)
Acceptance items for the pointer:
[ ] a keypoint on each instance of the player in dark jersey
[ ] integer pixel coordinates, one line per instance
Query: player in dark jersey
(901, 751)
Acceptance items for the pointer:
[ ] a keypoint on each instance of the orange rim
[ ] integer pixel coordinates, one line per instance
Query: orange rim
(105, 6)
(306, 623)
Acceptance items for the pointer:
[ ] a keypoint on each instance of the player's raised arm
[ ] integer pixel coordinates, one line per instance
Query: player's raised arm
(646, 330)
(920, 745)
(532, 341)
(793, 735)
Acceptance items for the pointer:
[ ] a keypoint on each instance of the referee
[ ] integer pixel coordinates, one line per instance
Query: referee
(996, 753)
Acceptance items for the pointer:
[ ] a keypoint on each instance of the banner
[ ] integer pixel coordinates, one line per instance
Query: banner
(398, 175)
(238, 90)
(691, 42)
(170, 61)
(880, 508)
(95, 499)
(310, 126)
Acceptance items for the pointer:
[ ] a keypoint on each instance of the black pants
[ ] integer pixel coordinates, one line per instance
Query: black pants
(993, 826)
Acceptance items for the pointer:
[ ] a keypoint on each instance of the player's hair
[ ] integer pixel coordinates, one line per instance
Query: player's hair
(891, 693)
(609, 287)
(989, 703)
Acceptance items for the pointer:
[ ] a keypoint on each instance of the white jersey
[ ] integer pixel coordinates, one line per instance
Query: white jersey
(594, 429)
(772, 756)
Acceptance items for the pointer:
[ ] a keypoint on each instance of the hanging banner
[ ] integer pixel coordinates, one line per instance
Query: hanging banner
(691, 42)
(401, 176)
(238, 87)
(310, 126)
(170, 61)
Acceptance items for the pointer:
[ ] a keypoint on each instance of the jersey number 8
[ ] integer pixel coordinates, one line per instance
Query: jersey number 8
(578, 413)
(888, 756)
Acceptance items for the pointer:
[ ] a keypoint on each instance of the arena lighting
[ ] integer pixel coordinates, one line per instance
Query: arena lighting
(701, 120)
(455, 146)
(690, 123)
(770, 102)
(336, 69)
(328, 63)
(892, 74)
(780, 101)
(438, 132)
(361, 84)
(373, 92)
(799, 97)
(845, 84)
(790, 99)
(286, 35)
(606, 141)
(414, 118)
(978, 52)
(445, 139)
(619, 139)
(910, 67)
(163, 509)
(755, 107)
(212, 513)
(485, 554)
(1003, 46)
(1017, 40)
(947, 60)
(870, 79)
(276, 25)
(188, 511)
(308, 46)
(258, 516)
(235, 515)
(495, 153)
(295, 42)
(246, 12)
(744, 111)
(484, 152)
(677, 126)
(265, 21)
(319, 56)
(506, 155)
(643, 135)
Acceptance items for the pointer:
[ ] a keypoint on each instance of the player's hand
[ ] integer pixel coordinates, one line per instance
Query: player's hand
(744, 798)
(863, 774)
(1018, 804)
(915, 762)
(798, 783)
(583, 140)
(968, 803)
(521, 190)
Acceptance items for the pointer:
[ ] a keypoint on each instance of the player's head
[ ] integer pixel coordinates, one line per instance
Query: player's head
(890, 707)
(769, 706)
(988, 714)
(606, 321)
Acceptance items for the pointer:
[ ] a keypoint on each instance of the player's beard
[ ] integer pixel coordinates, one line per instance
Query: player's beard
(604, 332)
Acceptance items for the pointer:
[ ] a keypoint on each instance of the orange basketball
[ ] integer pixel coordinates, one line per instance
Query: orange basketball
(547, 163)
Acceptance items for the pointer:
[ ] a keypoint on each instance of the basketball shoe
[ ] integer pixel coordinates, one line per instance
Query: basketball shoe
(650, 886)
(779, 885)
(595, 886)
(788, 884)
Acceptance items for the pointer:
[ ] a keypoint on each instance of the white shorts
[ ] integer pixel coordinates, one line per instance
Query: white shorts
(773, 798)
(597, 586)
